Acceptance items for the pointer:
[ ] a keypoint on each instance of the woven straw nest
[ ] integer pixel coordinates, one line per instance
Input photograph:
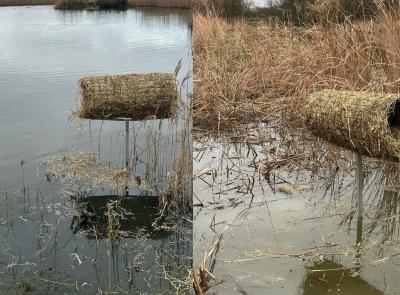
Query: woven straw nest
(131, 96)
(365, 122)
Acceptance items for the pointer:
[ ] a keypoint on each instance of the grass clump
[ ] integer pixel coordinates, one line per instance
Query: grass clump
(132, 96)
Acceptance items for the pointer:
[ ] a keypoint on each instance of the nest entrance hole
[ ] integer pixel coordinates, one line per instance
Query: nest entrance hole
(394, 115)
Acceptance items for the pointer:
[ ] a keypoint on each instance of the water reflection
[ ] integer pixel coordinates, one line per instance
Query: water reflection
(379, 202)
(287, 210)
(96, 242)
(135, 214)
(329, 277)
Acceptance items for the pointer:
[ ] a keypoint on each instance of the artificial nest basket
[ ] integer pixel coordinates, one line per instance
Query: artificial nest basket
(130, 96)
(367, 123)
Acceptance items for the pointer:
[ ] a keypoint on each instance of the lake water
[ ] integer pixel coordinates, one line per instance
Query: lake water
(287, 214)
(44, 52)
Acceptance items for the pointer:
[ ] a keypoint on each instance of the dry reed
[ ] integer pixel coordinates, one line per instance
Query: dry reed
(161, 3)
(83, 168)
(252, 71)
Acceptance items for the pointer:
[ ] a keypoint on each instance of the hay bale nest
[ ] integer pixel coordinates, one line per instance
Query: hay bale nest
(131, 96)
(365, 122)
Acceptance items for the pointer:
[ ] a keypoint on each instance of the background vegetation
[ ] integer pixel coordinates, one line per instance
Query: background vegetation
(252, 70)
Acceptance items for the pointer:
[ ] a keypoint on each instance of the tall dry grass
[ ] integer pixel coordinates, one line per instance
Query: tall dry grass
(226, 8)
(309, 11)
(161, 3)
(246, 72)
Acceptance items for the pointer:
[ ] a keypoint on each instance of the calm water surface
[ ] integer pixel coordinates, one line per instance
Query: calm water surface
(44, 52)
(286, 213)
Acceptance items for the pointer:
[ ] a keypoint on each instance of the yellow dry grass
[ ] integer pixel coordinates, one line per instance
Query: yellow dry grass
(252, 71)
(84, 168)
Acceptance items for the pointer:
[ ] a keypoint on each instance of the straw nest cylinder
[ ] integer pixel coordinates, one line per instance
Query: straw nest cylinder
(130, 96)
(367, 123)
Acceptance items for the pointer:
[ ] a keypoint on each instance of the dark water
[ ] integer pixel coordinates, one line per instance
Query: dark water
(48, 245)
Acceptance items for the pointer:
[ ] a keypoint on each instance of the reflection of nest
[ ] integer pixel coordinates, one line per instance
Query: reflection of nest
(132, 216)
(335, 280)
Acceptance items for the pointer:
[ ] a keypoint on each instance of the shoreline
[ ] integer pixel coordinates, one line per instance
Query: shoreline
(10, 3)
(131, 4)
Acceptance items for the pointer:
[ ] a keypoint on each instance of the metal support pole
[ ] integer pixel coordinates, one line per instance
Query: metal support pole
(127, 145)
(127, 161)
(360, 185)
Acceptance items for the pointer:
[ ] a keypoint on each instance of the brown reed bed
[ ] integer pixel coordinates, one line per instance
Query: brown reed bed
(252, 71)
(161, 3)
(26, 2)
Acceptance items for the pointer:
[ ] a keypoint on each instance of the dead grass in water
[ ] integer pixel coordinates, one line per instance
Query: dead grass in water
(249, 71)
(83, 168)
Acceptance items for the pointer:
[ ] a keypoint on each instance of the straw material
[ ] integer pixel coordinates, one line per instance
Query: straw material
(361, 121)
(132, 96)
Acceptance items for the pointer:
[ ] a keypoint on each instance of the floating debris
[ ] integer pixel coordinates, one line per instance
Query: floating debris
(84, 168)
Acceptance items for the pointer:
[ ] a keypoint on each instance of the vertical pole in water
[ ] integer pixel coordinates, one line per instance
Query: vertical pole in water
(127, 145)
(127, 166)
(360, 184)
